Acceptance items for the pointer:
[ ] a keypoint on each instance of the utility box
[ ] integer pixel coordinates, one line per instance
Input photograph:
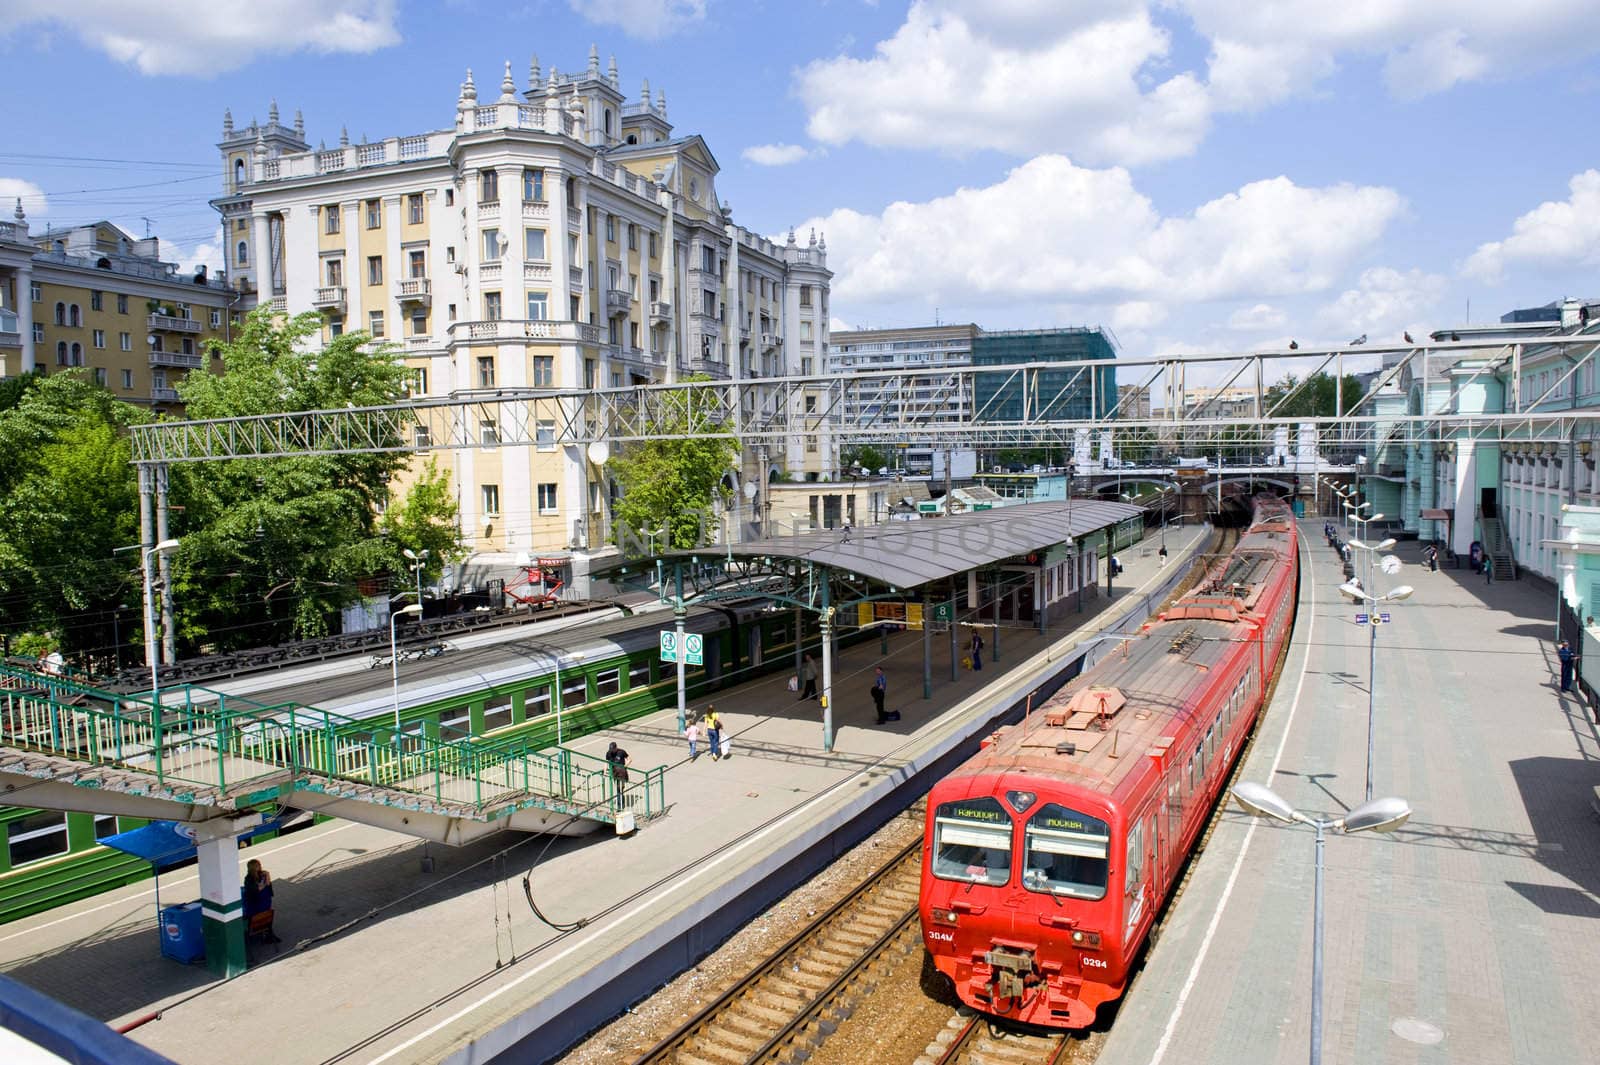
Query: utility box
(182, 936)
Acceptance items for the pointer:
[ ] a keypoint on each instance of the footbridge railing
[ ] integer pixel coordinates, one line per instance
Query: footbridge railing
(214, 747)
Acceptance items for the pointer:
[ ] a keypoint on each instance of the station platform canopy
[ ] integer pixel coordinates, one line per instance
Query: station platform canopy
(908, 554)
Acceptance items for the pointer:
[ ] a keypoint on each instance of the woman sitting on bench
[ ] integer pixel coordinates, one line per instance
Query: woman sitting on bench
(258, 901)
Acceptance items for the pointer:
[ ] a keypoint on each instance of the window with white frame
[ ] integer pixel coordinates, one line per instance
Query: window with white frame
(122, 304)
(97, 300)
(533, 245)
(330, 218)
(375, 323)
(488, 187)
(547, 499)
(491, 499)
(100, 338)
(491, 245)
(374, 214)
(544, 371)
(545, 434)
(538, 306)
(216, 319)
(491, 306)
(414, 208)
(334, 269)
(36, 837)
(374, 269)
(417, 262)
(125, 341)
(611, 229)
(419, 323)
(127, 378)
(100, 376)
(485, 371)
(533, 185)
(488, 433)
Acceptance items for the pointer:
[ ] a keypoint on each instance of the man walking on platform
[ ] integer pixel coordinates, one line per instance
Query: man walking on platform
(808, 673)
(1568, 658)
(880, 689)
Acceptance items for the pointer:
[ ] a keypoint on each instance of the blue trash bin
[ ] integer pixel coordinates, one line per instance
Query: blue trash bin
(1299, 508)
(182, 938)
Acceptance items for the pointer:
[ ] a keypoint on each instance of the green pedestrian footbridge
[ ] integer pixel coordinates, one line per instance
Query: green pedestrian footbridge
(199, 754)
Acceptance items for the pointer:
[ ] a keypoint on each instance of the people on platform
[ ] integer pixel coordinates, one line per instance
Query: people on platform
(808, 674)
(691, 732)
(1569, 659)
(880, 691)
(713, 725)
(1475, 556)
(258, 900)
(1163, 554)
(619, 766)
(1430, 555)
(977, 650)
(1488, 569)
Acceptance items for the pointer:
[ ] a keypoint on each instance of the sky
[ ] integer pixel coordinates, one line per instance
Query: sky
(1196, 175)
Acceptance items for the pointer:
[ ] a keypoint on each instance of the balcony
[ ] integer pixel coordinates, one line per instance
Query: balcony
(172, 324)
(660, 312)
(414, 290)
(489, 271)
(619, 301)
(770, 341)
(525, 329)
(278, 305)
(177, 360)
(329, 298)
(536, 210)
(10, 339)
(636, 357)
(574, 218)
(540, 272)
(575, 275)
(488, 210)
(163, 395)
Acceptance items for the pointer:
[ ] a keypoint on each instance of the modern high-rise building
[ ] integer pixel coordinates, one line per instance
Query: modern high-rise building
(95, 298)
(1058, 395)
(563, 236)
(923, 399)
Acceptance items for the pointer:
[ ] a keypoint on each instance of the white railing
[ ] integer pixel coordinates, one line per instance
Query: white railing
(371, 155)
(413, 148)
(172, 324)
(332, 160)
(537, 272)
(163, 395)
(530, 117)
(413, 288)
(536, 210)
(176, 359)
(328, 296)
(270, 169)
(660, 309)
(278, 305)
(575, 275)
(526, 329)
(416, 343)
(489, 271)
(486, 117)
(574, 217)
(9, 339)
(489, 209)
(618, 301)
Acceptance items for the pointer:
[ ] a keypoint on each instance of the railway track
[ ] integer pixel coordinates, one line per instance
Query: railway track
(795, 999)
(973, 1041)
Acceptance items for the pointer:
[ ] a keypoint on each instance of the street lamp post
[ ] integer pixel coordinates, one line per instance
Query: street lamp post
(1373, 602)
(1382, 815)
(419, 560)
(394, 663)
(151, 635)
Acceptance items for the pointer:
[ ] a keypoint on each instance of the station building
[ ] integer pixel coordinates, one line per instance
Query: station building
(559, 236)
(92, 297)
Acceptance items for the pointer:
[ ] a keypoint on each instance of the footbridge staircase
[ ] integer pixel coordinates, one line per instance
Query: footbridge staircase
(198, 754)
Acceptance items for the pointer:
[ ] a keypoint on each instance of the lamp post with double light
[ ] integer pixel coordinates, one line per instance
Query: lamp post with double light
(418, 561)
(394, 662)
(1380, 815)
(1357, 594)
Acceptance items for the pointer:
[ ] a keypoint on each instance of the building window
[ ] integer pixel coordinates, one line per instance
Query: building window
(122, 304)
(35, 293)
(414, 208)
(127, 379)
(633, 237)
(418, 385)
(61, 353)
(242, 254)
(533, 244)
(547, 499)
(335, 271)
(449, 197)
(374, 269)
(545, 434)
(77, 354)
(485, 371)
(418, 260)
(613, 334)
(97, 301)
(708, 302)
(544, 371)
(100, 338)
(125, 341)
(375, 323)
(488, 434)
(216, 319)
(611, 229)
(330, 215)
(491, 245)
(588, 374)
(374, 214)
(419, 323)
(489, 187)
(38, 332)
(100, 376)
(805, 295)
(533, 186)
(491, 306)
(538, 306)
(655, 246)
(491, 499)
(61, 314)
(450, 312)
(335, 328)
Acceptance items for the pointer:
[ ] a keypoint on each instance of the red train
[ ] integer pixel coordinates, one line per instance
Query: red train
(1048, 854)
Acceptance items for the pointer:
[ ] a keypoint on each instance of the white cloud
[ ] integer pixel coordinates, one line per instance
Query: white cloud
(202, 37)
(34, 203)
(1260, 316)
(1385, 303)
(1019, 76)
(206, 253)
(1053, 232)
(646, 19)
(776, 154)
(1556, 233)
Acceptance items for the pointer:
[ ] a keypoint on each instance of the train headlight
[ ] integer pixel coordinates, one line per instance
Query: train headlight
(942, 916)
(1089, 940)
(1021, 800)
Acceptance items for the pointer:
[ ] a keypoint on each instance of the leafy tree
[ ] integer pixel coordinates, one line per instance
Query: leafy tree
(68, 498)
(425, 520)
(669, 482)
(1315, 398)
(274, 547)
(867, 455)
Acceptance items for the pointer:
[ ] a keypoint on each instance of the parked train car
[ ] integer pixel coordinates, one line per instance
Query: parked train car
(1048, 854)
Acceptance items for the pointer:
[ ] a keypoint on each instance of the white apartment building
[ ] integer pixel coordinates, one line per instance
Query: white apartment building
(922, 399)
(560, 237)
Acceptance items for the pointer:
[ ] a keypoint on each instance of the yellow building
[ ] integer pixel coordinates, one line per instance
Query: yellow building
(559, 237)
(95, 298)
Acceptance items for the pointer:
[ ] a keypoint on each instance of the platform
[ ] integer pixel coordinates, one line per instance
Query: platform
(403, 966)
(1468, 936)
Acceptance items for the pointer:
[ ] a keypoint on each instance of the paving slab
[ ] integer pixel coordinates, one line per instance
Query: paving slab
(384, 963)
(1469, 935)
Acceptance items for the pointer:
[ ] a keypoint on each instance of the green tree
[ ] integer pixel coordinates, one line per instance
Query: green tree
(869, 456)
(272, 548)
(425, 520)
(669, 483)
(68, 498)
(1313, 398)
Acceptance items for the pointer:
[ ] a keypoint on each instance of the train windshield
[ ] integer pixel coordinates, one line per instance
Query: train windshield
(972, 841)
(1067, 853)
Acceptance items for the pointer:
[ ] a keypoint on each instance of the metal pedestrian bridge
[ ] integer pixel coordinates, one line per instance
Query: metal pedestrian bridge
(198, 755)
